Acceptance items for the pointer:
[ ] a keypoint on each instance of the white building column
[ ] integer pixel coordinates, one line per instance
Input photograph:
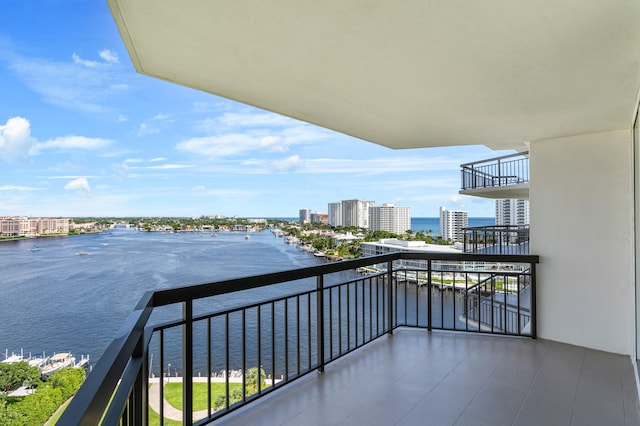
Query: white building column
(582, 222)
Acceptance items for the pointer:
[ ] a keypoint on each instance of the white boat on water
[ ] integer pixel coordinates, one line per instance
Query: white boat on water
(58, 361)
(81, 253)
(38, 360)
(246, 237)
(10, 359)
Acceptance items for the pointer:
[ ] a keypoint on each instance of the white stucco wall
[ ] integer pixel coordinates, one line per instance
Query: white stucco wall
(581, 197)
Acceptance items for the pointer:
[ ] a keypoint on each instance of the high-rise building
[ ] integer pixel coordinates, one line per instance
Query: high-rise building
(335, 213)
(390, 218)
(305, 216)
(510, 211)
(452, 223)
(356, 213)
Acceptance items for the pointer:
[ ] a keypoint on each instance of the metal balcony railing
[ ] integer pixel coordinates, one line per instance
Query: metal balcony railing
(253, 345)
(496, 172)
(497, 239)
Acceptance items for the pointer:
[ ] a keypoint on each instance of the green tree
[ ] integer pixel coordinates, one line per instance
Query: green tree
(17, 374)
(251, 387)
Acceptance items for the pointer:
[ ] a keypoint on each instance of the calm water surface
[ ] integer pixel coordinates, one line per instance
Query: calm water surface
(53, 300)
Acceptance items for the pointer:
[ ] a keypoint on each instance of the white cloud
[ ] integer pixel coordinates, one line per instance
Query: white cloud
(70, 142)
(109, 56)
(239, 143)
(71, 177)
(15, 139)
(134, 160)
(122, 118)
(80, 186)
(219, 146)
(19, 188)
(166, 167)
(161, 117)
(87, 63)
(155, 160)
(288, 164)
(79, 84)
(155, 124)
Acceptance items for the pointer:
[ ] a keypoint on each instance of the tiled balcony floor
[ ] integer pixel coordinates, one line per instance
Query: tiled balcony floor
(442, 378)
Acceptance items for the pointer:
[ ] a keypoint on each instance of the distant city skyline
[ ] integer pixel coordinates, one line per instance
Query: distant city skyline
(82, 134)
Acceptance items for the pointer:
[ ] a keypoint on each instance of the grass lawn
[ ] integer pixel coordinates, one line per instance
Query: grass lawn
(173, 393)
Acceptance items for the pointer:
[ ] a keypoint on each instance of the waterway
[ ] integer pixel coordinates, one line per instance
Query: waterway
(54, 300)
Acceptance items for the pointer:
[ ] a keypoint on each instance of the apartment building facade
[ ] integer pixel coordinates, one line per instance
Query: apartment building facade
(510, 211)
(305, 216)
(390, 218)
(21, 226)
(335, 213)
(452, 223)
(356, 213)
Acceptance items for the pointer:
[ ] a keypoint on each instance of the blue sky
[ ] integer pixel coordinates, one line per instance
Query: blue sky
(82, 134)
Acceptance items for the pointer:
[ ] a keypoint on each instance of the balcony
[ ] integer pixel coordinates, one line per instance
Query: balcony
(497, 239)
(500, 177)
(366, 324)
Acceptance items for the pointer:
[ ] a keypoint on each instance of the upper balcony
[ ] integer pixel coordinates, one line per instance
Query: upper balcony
(365, 324)
(499, 177)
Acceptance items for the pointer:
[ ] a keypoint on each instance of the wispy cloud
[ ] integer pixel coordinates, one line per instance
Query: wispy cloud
(263, 141)
(164, 167)
(70, 142)
(155, 124)
(85, 177)
(79, 84)
(288, 164)
(109, 56)
(19, 188)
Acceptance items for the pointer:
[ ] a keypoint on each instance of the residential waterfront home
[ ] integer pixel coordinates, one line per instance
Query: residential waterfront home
(559, 80)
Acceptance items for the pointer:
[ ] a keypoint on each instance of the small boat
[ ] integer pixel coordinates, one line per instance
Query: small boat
(38, 360)
(318, 254)
(10, 359)
(246, 237)
(81, 253)
(58, 361)
(34, 249)
(104, 244)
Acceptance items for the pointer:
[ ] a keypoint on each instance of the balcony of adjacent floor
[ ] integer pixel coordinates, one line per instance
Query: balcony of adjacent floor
(496, 239)
(499, 177)
(401, 338)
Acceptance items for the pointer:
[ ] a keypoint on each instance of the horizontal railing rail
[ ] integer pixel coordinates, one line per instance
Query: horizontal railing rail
(507, 170)
(497, 239)
(324, 313)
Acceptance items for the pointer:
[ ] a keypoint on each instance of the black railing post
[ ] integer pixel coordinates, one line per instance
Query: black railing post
(320, 319)
(429, 287)
(390, 299)
(187, 362)
(140, 387)
(534, 315)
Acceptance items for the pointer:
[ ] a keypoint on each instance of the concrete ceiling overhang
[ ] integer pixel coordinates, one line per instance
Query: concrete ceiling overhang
(403, 74)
